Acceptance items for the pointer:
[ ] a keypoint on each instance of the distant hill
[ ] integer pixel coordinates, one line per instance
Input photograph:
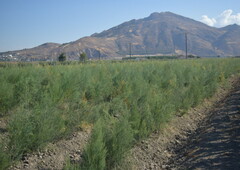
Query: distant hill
(159, 34)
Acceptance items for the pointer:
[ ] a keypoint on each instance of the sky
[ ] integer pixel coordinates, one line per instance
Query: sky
(29, 23)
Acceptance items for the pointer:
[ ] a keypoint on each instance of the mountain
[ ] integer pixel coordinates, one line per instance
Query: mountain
(163, 33)
(159, 34)
(229, 41)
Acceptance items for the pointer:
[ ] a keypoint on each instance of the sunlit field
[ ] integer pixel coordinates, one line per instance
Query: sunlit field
(122, 102)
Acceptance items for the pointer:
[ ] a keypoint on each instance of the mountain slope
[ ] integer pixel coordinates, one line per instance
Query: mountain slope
(42, 52)
(160, 33)
(229, 42)
(163, 33)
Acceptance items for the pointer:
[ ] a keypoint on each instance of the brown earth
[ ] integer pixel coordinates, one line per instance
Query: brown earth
(216, 144)
(55, 155)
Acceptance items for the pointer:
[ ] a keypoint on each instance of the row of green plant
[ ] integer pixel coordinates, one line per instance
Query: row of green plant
(125, 102)
(43, 63)
(55, 63)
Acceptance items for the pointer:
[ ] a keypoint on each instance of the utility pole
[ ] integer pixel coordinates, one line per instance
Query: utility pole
(146, 55)
(173, 53)
(130, 50)
(99, 55)
(186, 45)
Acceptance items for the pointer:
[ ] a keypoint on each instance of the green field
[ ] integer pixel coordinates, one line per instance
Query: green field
(124, 101)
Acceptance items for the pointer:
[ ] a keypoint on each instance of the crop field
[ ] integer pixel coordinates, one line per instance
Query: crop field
(121, 102)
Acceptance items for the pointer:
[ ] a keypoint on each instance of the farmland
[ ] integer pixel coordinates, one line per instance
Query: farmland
(121, 102)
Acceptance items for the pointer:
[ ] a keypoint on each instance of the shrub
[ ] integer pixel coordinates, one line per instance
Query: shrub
(62, 57)
(30, 130)
(95, 152)
(4, 157)
(83, 57)
(118, 142)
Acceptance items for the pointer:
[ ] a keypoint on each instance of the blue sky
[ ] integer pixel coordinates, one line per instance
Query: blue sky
(28, 23)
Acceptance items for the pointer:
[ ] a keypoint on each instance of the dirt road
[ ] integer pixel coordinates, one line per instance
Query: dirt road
(216, 144)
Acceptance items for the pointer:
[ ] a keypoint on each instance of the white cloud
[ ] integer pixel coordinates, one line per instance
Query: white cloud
(225, 18)
(209, 21)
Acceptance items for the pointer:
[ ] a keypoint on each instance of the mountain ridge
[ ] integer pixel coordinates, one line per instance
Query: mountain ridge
(159, 33)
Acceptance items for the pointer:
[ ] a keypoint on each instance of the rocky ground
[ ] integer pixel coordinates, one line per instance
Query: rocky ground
(55, 155)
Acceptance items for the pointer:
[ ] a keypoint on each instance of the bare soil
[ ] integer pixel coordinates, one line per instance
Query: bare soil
(55, 155)
(216, 144)
(208, 137)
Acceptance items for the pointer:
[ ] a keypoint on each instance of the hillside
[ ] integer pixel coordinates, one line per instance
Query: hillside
(160, 33)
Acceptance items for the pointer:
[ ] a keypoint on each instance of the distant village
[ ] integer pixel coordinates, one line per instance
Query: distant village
(17, 57)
